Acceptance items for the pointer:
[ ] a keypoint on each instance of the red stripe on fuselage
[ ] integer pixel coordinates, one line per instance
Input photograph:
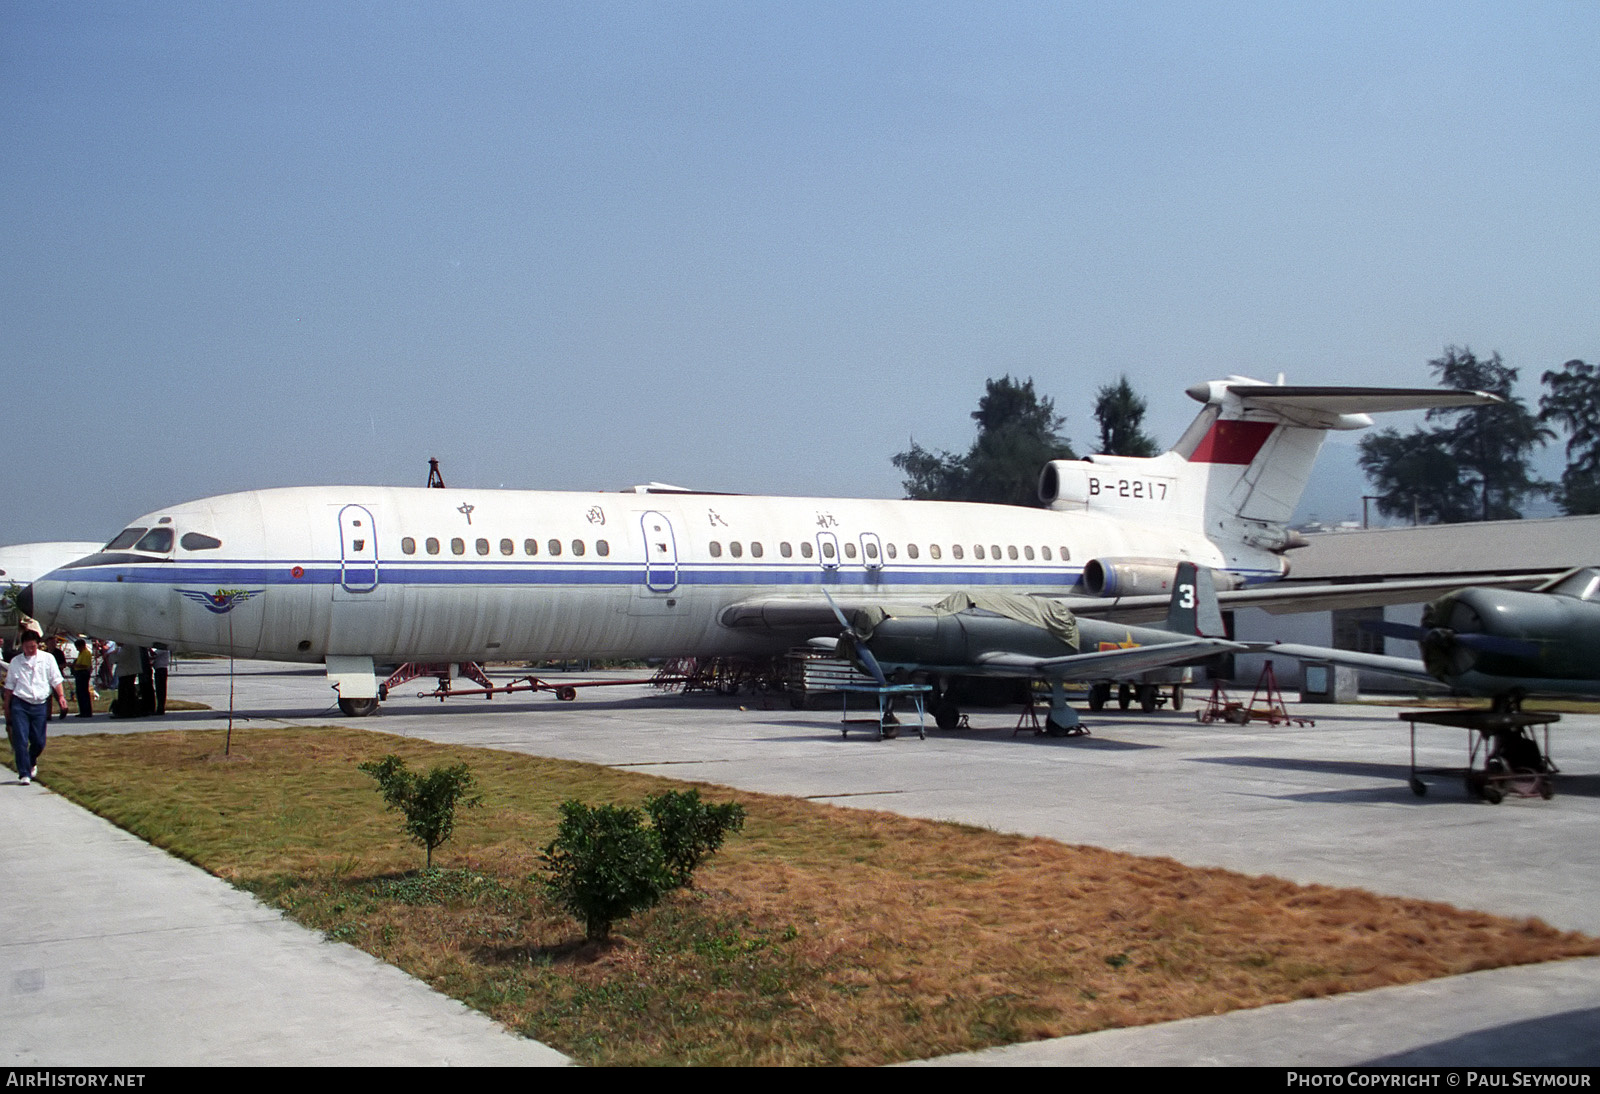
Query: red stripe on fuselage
(1232, 442)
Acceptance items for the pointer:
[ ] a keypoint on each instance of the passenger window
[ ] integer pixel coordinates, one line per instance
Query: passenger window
(735, 549)
(849, 550)
(197, 541)
(716, 549)
(995, 550)
(507, 547)
(957, 552)
(483, 546)
(577, 547)
(458, 546)
(911, 550)
(755, 550)
(889, 549)
(1027, 552)
(530, 547)
(555, 547)
(408, 545)
(602, 548)
(156, 539)
(432, 545)
(977, 552)
(127, 539)
(871, 549)
(1066, 555)
(1011, 552)
(785, 549)
(827, 550)
(933, 550)
(805, 550)
(1046, 552)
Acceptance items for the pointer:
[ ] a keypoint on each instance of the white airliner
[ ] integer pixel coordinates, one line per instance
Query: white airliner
(358, 577)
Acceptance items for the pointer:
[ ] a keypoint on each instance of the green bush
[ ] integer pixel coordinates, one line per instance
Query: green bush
(690, 830)
(429, 802)
(604, 865)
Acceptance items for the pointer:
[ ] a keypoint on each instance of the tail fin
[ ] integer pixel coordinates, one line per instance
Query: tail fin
(1194, 609)
(1241, 466)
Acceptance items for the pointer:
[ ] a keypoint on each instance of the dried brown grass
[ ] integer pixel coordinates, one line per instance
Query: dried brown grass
(820, 935)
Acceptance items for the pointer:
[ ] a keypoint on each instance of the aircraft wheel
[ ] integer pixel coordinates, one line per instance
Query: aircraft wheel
(1124, 696)
(1418, 787)
(1147, 698)
(1547, 789)
(1098, 694)
(1177, 696)
(946, 715)
(358, 708)
(1492, 794)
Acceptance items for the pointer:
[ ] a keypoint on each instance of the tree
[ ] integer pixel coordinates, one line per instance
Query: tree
(1473, 466)
(1492, 444)
(604, 865)
(1416, 479)
(1573, 402)
(1120, 413)
(1018, 433)
(429, 802)
(690, 830)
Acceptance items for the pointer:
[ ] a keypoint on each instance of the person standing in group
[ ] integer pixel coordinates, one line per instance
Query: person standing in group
(32, 678)
(161, 661)
(82, 670)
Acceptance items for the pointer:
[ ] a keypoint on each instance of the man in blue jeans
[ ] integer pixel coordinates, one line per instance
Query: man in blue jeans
(31, 680)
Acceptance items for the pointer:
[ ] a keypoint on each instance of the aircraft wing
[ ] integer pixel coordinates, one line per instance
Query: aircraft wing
(813, 614)
(1286, 599)
(1394, 666)
(1106, 663)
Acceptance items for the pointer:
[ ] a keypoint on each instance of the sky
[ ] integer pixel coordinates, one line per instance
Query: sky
(749, 246)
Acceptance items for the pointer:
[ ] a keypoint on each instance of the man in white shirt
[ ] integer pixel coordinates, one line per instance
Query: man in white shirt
(31, 679)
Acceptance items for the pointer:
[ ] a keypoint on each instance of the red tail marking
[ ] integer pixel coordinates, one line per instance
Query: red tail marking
(1232, 442)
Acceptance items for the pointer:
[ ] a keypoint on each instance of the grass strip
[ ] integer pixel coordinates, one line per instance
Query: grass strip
(821, 935)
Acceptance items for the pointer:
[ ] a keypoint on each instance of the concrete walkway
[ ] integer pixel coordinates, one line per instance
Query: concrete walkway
(118, 954)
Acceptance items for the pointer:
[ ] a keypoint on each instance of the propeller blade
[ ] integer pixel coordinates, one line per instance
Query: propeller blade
(858, 645)
(1388, 629)
(1494, 643)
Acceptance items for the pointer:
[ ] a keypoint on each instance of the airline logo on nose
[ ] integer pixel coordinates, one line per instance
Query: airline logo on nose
(223, 600)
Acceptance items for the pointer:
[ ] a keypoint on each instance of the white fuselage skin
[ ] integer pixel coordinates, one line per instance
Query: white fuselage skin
(402, 574)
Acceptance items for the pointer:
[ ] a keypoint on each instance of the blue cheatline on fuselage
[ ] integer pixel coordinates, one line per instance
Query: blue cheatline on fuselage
(261, 572)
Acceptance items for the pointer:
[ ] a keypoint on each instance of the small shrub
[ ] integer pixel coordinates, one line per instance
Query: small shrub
(604, 865)
(429, 802)
(690, 830)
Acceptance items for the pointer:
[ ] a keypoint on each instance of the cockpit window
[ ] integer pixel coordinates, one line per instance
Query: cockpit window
(199, 541)
(127, 539)
(156, 540)
(1583, 584)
